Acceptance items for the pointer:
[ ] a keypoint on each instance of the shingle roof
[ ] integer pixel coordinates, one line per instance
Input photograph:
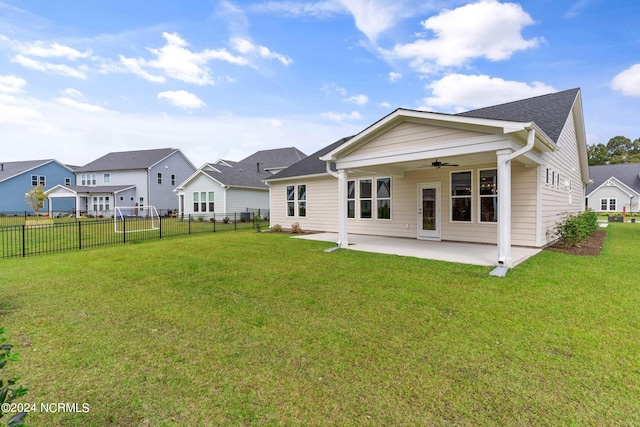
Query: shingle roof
(11, 169)
(312, 164)
(238, 174)
(275, 158)
(549, 111)
(127, 160)
(628, 173)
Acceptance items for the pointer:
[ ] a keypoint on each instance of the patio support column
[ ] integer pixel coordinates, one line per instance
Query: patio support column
(342, 209)
(77, 206)
(504, 208)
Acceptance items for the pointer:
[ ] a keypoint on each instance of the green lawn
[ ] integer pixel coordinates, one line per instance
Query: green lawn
(244, 328)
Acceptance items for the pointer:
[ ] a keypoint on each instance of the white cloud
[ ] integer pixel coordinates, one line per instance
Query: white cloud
(70, 92)
(321, 9)
(11, 84)
(65, 70)
(330, 88)
(628, 81)
(457, 92)
(175, 60)
(339, 117)
(394, 77)
(182, 99)
(53, 50)
(384, 104)
(15, 114)
(81, 105)
(486, 29)
(358, 99)
(246, 47)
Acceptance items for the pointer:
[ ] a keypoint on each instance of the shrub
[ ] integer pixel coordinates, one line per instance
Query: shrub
(225, 220)
(256, 223)
(200, 219)
(574, 229)
(276, 227)
(295, 228)
(11, 391)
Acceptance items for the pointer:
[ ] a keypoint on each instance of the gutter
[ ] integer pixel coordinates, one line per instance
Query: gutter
(329, 171)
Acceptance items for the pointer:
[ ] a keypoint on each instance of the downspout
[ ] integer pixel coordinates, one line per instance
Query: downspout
(342, 234)
(504, 210)
(329, 171)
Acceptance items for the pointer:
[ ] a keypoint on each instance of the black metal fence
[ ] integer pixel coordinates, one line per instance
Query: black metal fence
(37, 235)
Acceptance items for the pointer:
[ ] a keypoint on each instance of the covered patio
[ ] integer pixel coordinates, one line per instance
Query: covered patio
(464, 253)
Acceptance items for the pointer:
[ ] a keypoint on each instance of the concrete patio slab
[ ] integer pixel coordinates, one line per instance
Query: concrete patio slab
(464, 253)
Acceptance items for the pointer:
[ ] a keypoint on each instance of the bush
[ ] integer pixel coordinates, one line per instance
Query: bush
(276, 227)
(225, 220)
(11, 391)
(574, 229)
(296, 229)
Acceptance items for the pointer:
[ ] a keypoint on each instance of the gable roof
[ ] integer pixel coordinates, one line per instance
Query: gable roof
(627, 173)
(549, 112)
(311, 165)
(11, 169)
(128, 160)
(277, 158)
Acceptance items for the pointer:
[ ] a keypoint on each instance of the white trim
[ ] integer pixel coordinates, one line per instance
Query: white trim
(480, 197)
(437, 234)
(470, 196)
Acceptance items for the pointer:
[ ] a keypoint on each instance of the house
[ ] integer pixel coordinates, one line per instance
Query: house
(17, 178)
(501, 175)
(614, 188)
(226, 187)
(126, 179)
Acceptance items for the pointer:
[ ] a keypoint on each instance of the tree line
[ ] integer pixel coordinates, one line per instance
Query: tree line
(619, 149)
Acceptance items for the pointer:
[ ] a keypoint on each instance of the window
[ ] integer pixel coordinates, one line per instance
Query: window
(34, 180)
(553, 178)
(488, 192)
(106, 203)
(141, 204)
(608, 204)
(89, 179)
(42, 180)
(291, 200)
(383, 197)
(196, 204)
(302, 200)
(159, 177)
(67, 181)
(547, 177)
(351, 199)
(173, 179)
(211, 203)
(106, 178)
(297, 195)
(365, 199)
(203, 201)
(558, 181)
(461, 196)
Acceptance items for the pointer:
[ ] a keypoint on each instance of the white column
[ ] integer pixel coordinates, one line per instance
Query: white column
(77, 206)
(342, 209)
(504, 208)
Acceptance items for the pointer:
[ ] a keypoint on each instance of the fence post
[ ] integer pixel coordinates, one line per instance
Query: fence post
(189, 223)
(235, 220)
(24, 237)
(124, 229)
(79, 234)
(214, 222)
(160, 226)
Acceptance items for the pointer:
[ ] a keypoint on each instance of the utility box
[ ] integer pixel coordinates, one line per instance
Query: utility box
(616, 219)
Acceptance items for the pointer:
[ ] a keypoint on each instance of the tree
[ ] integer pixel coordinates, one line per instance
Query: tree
(598, 155)
(36, 198)
(619, 149)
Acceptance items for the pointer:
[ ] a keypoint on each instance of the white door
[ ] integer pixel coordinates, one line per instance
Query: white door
(429, 211)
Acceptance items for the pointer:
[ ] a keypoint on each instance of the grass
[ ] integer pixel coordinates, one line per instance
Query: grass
(259, 329)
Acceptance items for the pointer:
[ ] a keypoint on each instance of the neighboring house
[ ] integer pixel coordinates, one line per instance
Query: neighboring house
(17, 178)
(614, 188)
(225, 187)
(126, 179)
(501, 175)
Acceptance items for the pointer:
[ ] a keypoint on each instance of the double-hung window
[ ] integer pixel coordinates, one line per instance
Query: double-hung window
(211, 201)
(366, 199)
(461, 196)
(297, 200)
(608, 205)
(106, 178)
(488, 191)
(196, 201)
(351, 199)
(34, 180)
(159, 178)
(383, 197)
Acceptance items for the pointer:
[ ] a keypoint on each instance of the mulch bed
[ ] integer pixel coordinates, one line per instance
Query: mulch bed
(590, 247)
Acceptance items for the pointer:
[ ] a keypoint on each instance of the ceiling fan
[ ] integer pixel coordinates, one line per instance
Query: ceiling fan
(437, 164)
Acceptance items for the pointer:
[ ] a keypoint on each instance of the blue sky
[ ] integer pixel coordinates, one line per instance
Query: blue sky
(223, 79)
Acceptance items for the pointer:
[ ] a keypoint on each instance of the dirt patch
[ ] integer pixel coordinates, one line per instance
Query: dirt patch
(590, 247)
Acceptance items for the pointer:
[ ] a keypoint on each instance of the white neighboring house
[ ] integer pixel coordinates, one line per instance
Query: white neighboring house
(500, 175)
(128, 178)
(614, 188)
(227, 188)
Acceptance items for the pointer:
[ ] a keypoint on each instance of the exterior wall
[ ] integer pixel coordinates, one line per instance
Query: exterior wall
(568, 195)
(408, 135)
(241, 199)
(612, 192)
(12, 190)
(137, 178)
(322, 206)
(162, 195)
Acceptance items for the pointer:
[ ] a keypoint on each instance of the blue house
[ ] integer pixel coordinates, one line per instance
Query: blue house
(17, 178)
